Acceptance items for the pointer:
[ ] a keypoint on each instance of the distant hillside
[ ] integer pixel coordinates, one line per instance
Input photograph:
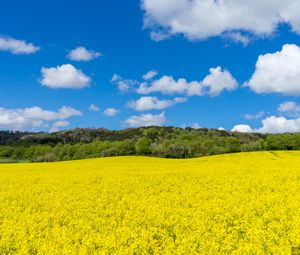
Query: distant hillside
(168, 142)
(87, 135)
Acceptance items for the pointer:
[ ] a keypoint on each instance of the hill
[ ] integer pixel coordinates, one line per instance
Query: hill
(165, 142)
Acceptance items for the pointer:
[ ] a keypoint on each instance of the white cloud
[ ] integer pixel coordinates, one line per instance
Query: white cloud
(242, 128)
(38, 113)
(275, 124)
(122, 84)
(110, 112)
(94, 108)
(168, 85)
(146, 120)
(219, 80)
(272, 125)
(254, 116)
(213, 84)
(238, 37)
(153, 103)
(64, 76)
(17, 46)
(290, 108)
(58, 125)
(82, 54)
(201, 19)
(34, 117)
(150, 75)
(278, 72)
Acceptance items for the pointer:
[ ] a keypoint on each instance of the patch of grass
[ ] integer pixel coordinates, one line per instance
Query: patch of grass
(10, 161)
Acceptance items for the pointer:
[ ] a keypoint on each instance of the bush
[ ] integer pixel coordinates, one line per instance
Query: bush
(48, 157)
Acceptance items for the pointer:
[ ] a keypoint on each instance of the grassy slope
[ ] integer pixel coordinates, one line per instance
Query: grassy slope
(246, 203)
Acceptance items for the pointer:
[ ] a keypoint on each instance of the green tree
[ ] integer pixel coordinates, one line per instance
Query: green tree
(233, 145)
(143, 146)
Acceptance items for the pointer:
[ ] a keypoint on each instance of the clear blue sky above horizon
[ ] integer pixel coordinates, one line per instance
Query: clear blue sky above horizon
(135, 37)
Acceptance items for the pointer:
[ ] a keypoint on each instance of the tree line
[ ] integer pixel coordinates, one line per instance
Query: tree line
(166, 142)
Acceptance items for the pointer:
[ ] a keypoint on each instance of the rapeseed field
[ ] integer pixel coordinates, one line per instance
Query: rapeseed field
(247, 203)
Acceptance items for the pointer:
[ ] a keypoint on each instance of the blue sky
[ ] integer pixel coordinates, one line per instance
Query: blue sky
(45, 87)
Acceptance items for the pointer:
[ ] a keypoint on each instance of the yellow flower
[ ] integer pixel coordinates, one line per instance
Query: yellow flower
(245, 203)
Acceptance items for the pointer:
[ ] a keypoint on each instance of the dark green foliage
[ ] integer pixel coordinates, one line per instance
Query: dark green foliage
(233, 145)
(168, 142)
(143, 146)
(282, 142)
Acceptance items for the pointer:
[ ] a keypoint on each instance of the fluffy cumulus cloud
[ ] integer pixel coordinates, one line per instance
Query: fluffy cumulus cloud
(278, 72)
(168, 85)
(242, 128)
(213, 84)
(64, 77)
(17, 47)
(153, 103)
(219, 80)
(82, 54)
(289, 108)
(146, 120)
(110, 112)
(34, 117)
(288, 122)
(275, 124)
(201, 19)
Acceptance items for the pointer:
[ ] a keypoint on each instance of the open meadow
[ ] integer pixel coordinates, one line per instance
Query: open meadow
(246, 203)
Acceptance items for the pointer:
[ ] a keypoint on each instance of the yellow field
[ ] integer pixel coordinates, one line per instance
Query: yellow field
(246, 203)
